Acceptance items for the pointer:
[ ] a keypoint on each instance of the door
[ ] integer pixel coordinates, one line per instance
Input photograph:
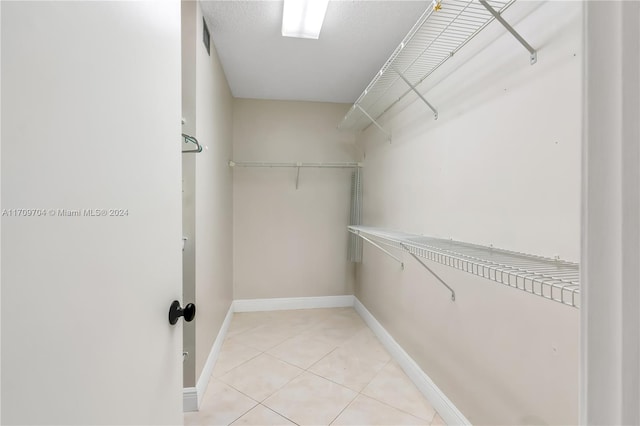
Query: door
(91, 204)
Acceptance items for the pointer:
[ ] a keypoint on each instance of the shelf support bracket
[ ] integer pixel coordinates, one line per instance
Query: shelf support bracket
(298, 175)
(453, 293)
(533, 55)
(387, 252)
(374, 122)
(435, 111)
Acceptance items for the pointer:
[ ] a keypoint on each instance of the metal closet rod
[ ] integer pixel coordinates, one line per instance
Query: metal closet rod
(334, 165)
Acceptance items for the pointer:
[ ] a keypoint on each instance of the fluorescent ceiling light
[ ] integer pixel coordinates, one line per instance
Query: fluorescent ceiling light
(303, 18)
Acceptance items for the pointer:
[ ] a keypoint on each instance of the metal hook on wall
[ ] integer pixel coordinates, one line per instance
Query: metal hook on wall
(187, 139)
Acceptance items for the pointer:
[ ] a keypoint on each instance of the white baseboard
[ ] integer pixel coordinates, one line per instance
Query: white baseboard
(449, 413)
(203, 381)
(281, 304)
(194, 395)
(189, 399)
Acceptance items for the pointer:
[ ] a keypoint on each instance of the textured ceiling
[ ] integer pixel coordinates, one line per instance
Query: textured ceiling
(356, 39)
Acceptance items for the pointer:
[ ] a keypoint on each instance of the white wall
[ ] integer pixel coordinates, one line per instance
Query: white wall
(501, 166)
(213, 198)
(91, 114)
(288, 242)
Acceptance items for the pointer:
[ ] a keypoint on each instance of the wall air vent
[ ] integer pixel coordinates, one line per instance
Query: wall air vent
(206, 38)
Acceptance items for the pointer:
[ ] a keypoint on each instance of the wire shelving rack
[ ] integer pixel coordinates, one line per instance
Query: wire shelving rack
(551, 279)
(443, 29)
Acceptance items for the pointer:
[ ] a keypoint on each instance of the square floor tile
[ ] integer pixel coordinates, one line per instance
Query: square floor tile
(266, 336)
(345, 316)
(367, 411)
(302, 350)
(262, 416)
(243, 321)
(232, 355)
(365, 344)
(301, 317)
(392, 387)
(342, 366)
(310, 400)
(261, 376)
(332, 334)
(221, 405)
(293, 321)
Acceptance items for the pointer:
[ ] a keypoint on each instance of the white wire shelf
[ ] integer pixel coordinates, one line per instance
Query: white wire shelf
(442, 30)
(551, 279)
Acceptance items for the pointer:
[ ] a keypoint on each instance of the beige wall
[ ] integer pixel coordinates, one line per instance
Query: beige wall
(214, 221)
(207, 193)
(189, 46)
(501, 166)
(288, 242)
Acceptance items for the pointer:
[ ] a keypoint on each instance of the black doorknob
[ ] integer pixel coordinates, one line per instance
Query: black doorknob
(175, 312)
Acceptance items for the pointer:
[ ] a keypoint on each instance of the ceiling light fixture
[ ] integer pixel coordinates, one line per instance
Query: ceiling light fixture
(303, 18)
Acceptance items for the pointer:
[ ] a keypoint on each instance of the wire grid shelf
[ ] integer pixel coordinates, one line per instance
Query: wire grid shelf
(436, 37)
(551, 279)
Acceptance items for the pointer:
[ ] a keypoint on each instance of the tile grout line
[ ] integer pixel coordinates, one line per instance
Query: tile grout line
(358, 393)
(239, 391)
(332, 381)
(256, 326)
(321, 358)
(276, 391)
(345, 407)
(307, 370)
(239, 365)
(401, 410)
(388, 404)
(280, 414)
(261, 352)
(280, 342)
(374, 376)
(237, 418)
(329, 353)
(268, 396)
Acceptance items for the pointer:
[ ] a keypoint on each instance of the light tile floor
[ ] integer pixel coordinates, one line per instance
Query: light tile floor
(308, 367)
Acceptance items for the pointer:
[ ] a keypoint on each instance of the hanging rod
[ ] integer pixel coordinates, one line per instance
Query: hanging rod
(193, 140)
(347, 165)
(298, 165)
